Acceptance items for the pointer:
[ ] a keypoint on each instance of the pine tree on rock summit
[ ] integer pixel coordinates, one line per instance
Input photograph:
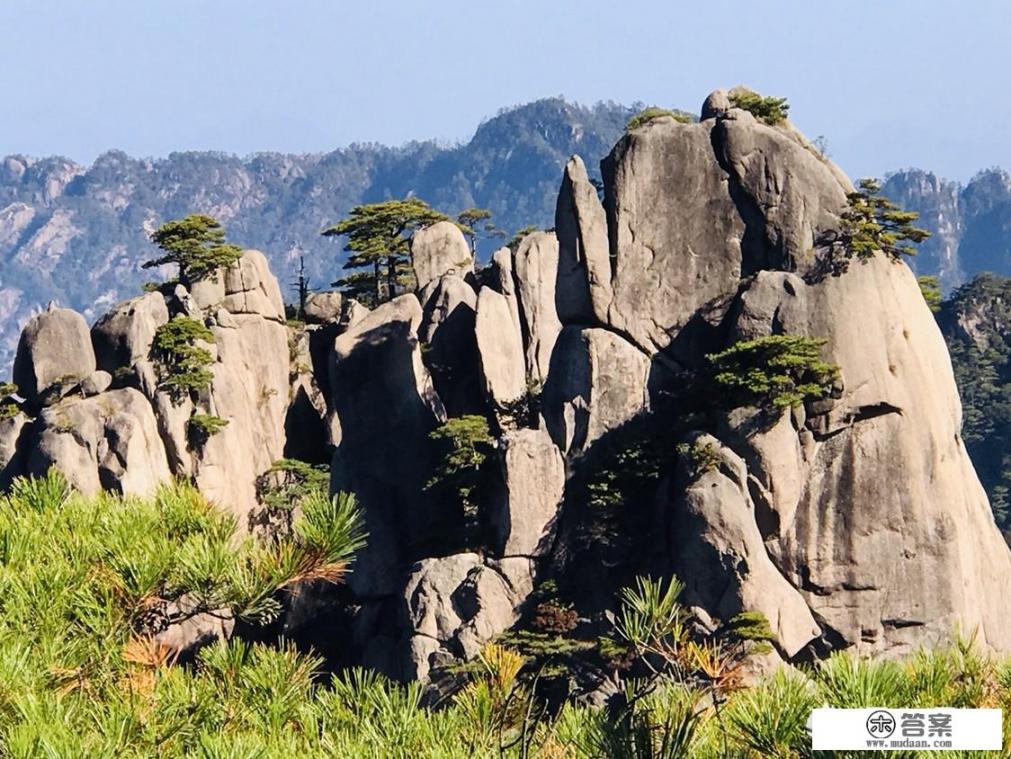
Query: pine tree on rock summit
(378, 239)
(197, 244)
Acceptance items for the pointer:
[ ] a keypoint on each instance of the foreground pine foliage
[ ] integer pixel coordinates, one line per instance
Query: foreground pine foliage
(79, 677)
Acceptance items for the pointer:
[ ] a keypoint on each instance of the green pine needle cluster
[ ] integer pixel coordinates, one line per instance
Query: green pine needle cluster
(470, 223)
(378, 239)
(872, 222)
(652, 113)
(182, 364)
(930, 288)
(517, 238)
(624, 473)
(196, 244)
(9, 407)
(201, 427)
(466, 443)
(778, 371)
(769, 110)
(702, 457)
(289, 482)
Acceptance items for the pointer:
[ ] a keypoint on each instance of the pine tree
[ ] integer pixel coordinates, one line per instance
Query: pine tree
(872, 222)
(469, 222)
(378, 239)
(197, 244)
(930, 287)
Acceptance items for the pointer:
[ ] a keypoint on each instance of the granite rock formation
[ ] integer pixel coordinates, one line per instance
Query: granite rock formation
(851, 521)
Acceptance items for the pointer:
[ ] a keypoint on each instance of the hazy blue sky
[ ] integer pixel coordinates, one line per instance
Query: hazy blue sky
(890, 83)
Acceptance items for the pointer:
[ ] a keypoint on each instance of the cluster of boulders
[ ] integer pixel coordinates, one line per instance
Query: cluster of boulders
(95, 405)
(851, 521)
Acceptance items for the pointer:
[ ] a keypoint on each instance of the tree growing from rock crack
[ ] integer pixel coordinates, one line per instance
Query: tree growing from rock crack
(378, 239)
(777, 371)
(872, 222)
(869, 223)
(197, 244)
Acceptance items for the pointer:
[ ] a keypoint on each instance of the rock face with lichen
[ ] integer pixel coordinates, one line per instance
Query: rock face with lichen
(853, 520)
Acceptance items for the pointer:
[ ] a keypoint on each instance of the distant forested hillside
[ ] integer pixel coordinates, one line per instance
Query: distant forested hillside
(77, 235)
(971, 223)
(976, 322)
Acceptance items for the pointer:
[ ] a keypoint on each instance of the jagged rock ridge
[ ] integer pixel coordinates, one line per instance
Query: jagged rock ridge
(78, 234)
(852, 521)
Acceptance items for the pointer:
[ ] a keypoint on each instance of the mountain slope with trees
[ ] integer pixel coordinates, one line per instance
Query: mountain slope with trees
(971, 223)
(976, 323)
(77, 235)
(634, 458)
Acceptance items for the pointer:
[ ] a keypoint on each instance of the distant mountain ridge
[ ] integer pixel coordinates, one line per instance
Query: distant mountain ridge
(77, 234)
(971, 223)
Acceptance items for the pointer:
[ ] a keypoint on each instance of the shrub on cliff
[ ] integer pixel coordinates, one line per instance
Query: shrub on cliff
(649, 114)
(470, 223)
(201, 427)
(869, 223)
(378, 239)
(289, 482)
(768, 110)
(9, 407)
(930, 288)
(466, 443)
(776, 372)
(872, 222)
(183, 365)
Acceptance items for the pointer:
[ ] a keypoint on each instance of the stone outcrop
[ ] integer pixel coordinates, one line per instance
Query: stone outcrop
(505, 283)
(109, 441)
(55, 345)
(536, 269)
(597, 382)
(123, 336)
(916, 521)
(440, 249)
(500, 346)
(583, 290)
(448, 329)
(716, 104)
(456, 604)
(387, 406)
(524, 518)
(787, 194)
(249, 391)
(250, 288)
(12, 448)
(207, 293)
(686, 221)
(718, 549)
(321, 308)
(116, 427)
(854, 520)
